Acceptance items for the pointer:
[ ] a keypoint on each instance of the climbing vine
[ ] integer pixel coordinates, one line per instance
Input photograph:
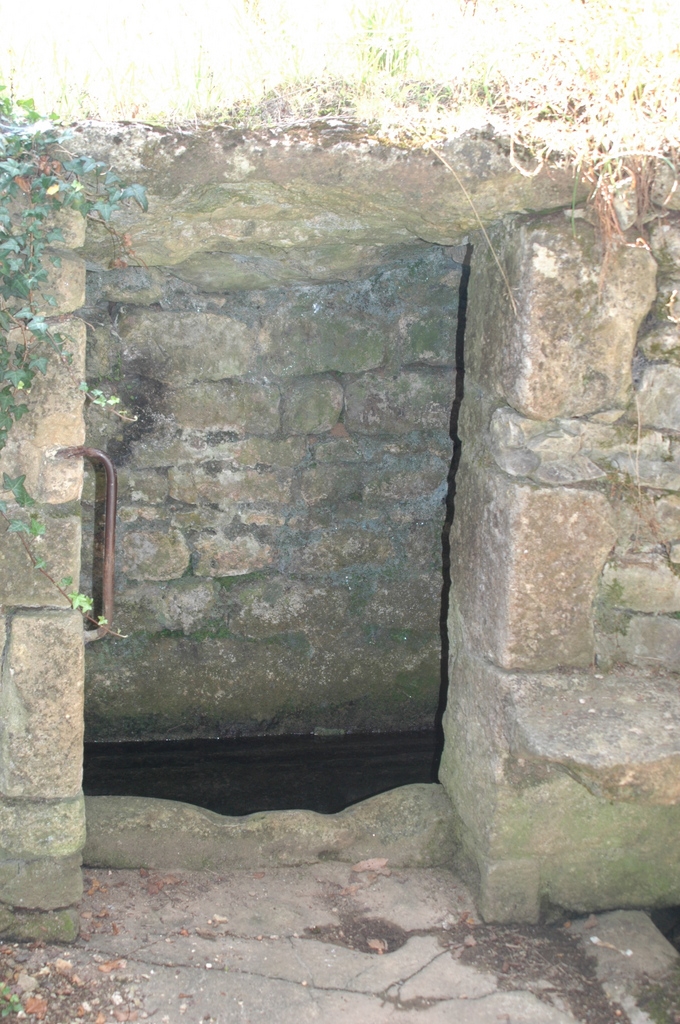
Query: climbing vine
(40, 180)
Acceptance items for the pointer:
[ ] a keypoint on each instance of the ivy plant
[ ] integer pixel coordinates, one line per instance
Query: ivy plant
(40, 180)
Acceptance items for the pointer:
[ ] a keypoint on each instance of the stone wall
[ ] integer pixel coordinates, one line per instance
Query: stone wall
(281, 500)
(42, 816)
(563, 726)
(287, 343)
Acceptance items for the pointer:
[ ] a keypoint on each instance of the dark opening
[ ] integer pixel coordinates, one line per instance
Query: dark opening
(324, 773)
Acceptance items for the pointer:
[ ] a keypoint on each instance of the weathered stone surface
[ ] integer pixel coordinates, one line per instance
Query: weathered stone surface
(619, 746)
(568, 350)
(20, 584)
(312, 406)
(325, 204)
(32, 829)
(23, 926)
(332, 483)
(44, 884)
(511, 766)
(65, 284)
(141, 286)
(217, 683)
(42, 706)
(413, 400)
(659, 397)
(180, 350)
(340, 548)
(151, 555)
(224, 487)
(642, 583)
(231, 556)
(266, 607)
(525, 564)
(652, 955)
(184, 605)
(400, 480)
(663, 342)
(411, 826)
(239, 408)
(649, 641)
(54, 420)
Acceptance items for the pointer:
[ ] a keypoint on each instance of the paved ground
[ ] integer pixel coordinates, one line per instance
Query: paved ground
(322, 943)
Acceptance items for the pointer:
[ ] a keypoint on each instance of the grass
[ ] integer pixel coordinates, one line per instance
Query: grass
(592, 82)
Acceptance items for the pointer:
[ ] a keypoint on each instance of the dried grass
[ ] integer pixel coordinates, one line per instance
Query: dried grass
(592, 82)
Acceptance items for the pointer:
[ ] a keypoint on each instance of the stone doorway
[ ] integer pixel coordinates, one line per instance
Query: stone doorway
(559, 581)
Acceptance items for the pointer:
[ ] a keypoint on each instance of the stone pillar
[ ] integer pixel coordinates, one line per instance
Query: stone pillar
(42, 819)
(564, 778)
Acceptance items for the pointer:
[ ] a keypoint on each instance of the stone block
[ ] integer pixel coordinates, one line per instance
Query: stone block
(568, 350)
(401, 480)
(138, 286)
(48, 883)
(658, 397)
(525, 566)
(332, 483)
(230, 556)
(580, 799)
(22, 586)
(275, 605)
(54, 420)
(411, 826)
(224, 487)
(64, 289)
(304, 338)
(239, 408)
(312, 406)
(32, 829)
(662, 343)
(42, 702)
(642, 583)
(179, 350)
(223, 684)
(650, 641)
(151, 555)
(340, 548)
(413, 400)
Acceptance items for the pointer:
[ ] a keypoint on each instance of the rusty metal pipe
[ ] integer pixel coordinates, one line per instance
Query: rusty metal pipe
(95, 455)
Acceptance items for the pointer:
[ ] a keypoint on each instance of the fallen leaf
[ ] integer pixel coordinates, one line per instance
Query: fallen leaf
(23, 183)
(101, 1019)
(122, 1015)
(469, 940)
(170, 880)
(95, 885)
(183, 931)
(86, 915)
(205, 934)
(339, 430)
(103, 913)
(64, 967)
(373, 864)
(114, 928)
(258, 874)
(112, 965)
(350, 890)
(77, 981)
(144, 873)
(185, 995)
(36, 1006)
(591, 922)
(379, 945)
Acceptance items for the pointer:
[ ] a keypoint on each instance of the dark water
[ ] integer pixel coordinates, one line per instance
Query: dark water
(239, 776)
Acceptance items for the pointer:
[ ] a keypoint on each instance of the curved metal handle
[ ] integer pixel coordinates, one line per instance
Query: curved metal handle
(95, 455)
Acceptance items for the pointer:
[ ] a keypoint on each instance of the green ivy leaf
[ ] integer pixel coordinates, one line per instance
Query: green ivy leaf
(16, 486)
